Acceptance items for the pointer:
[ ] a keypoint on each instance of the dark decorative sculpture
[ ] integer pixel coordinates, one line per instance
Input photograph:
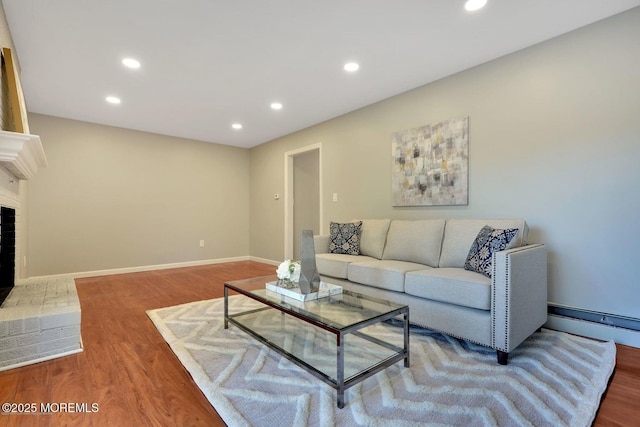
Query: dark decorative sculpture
(309, 278)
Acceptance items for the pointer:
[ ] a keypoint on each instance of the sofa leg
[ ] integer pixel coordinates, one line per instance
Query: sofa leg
(503, 357)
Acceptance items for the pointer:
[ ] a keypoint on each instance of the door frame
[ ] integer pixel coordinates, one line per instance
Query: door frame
(288, 194)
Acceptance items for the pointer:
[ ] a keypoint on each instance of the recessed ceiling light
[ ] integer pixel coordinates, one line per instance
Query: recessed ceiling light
(472, 5)
(113, 99)
(276, 106)
(236, 126)
(131, 63)
(351, 66)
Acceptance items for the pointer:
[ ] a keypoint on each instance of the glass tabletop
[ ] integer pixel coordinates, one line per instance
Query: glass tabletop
(338, 311)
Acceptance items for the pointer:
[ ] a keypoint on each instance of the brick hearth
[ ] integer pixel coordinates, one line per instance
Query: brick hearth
(39, 320)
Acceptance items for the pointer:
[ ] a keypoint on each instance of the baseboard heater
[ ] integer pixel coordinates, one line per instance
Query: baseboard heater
(606, 319)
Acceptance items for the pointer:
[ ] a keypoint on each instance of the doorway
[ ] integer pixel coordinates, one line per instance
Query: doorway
(303, 201)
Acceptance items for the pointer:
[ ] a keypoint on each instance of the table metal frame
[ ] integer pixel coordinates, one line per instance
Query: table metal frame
(340, 383)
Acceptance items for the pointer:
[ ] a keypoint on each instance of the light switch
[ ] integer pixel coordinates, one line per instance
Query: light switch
(335, 197)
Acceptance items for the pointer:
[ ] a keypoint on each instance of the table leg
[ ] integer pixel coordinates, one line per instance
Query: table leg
(340, 371)
(226, 307)
(406, 338)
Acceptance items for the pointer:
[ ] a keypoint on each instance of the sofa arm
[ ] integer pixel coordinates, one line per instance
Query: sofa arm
(321, 243)
(519, 295)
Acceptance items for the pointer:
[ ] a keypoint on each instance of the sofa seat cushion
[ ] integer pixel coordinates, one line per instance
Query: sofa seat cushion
(384, 274)
(452, 285)
(335, 265)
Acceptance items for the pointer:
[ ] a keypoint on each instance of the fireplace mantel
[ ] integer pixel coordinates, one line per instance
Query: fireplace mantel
(21, 154)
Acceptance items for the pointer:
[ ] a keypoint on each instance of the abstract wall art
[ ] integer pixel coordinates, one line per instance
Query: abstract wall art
(430, 164)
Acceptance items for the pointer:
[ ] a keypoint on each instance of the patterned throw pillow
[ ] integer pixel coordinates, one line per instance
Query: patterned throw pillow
(345, 238)
(488, 241)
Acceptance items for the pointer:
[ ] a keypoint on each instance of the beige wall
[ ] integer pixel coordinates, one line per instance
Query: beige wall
(5, 34)
(113, 198)
(6, 118)
(554, 139)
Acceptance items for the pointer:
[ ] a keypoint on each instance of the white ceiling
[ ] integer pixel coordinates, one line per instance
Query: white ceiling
(209, 63)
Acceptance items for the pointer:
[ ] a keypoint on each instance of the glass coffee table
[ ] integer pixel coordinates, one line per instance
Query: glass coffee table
(338, 339)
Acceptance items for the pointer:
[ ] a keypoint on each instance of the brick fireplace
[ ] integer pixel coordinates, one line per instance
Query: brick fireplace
(40, 317)
(21, 156)
(7, 251)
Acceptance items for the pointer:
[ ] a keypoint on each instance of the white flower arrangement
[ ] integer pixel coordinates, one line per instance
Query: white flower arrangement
(289, 272)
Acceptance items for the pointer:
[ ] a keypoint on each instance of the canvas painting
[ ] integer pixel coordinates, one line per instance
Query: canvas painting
(431, 164)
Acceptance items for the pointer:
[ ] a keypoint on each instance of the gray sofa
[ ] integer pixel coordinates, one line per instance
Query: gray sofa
(421, 264)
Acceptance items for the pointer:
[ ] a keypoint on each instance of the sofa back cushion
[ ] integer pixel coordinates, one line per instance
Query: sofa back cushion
(373, 237)
(459, 235)
(415, 241)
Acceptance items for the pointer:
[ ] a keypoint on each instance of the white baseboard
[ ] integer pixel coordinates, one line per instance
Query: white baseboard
(264, 260)
(96, 273)
(594, 330)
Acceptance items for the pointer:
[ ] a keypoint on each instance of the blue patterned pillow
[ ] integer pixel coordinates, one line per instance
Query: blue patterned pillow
(488, 241)
(345, 238)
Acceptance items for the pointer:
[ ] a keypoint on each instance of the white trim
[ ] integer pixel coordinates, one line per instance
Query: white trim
(96, 273)
(22, 154)
(264, 260)
(288, 194)
(593, 330)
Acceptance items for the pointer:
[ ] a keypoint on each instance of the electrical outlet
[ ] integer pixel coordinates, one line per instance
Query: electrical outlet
(202, 243)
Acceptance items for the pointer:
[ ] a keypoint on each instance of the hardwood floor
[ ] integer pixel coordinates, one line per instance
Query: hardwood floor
(128, 370)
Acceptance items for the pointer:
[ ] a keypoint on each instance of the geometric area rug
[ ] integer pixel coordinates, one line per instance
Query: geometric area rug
(552, 379)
